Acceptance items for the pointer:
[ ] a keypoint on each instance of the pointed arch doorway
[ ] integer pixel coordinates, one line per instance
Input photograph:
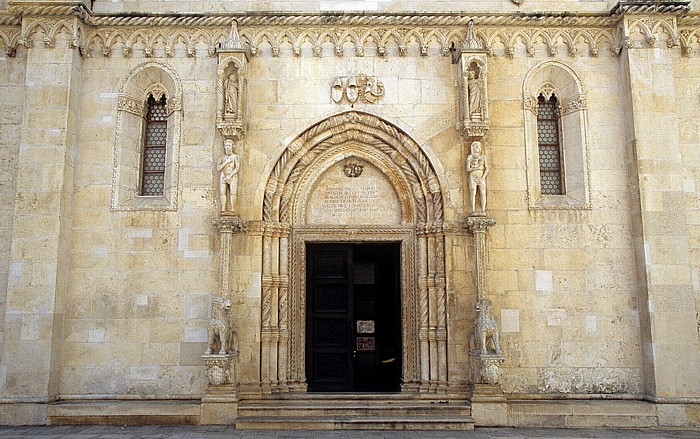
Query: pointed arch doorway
(349, 181)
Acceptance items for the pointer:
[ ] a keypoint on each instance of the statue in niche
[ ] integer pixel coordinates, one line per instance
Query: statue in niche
(228, 177)
(220, 332)
(477, 170)
(231, 89)
(486, 327)
(474, 86)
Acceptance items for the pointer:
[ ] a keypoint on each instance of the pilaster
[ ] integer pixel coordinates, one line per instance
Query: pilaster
(665, 298)
(41, 233)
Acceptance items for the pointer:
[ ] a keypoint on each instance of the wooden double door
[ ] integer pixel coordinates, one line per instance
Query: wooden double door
(353, 317)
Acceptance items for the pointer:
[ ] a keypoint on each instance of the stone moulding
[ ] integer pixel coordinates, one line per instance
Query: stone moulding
(501, 33)
(159, 35)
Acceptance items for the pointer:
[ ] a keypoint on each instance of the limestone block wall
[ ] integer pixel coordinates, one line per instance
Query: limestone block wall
(569, 284)
(12, 72)
(138, 306)
(687, 106)
(562, 280)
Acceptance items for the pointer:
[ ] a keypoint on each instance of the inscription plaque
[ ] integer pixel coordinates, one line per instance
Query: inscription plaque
(368, 198)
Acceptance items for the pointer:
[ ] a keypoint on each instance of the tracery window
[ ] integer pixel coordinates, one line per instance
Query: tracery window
(549, 146)
(153, 162)
(147, 139)
(556, 138)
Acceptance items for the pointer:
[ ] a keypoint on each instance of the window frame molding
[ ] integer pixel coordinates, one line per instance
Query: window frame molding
(547, 78)
(157, 79)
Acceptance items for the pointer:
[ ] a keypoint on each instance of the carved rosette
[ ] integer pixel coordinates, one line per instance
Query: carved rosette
(219, 369)
(486, 368)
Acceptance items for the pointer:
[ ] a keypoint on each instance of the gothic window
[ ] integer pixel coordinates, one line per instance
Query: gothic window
(556, 145)
(147, 140)
(548, 142)
(154, 144)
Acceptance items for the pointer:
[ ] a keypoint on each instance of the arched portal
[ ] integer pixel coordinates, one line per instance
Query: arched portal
(408, 197)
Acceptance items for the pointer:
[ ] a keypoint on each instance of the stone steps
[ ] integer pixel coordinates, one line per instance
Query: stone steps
(356, 412)
(124, 412)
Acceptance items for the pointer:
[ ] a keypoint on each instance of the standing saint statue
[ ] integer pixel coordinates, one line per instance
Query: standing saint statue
(231, 94)
(477, 170)
(474, 87)
(228, 177)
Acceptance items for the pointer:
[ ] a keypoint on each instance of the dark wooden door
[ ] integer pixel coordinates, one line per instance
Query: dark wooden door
(353, 317)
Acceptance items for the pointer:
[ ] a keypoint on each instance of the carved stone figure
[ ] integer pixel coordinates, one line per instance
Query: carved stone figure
(220, 333)
(477, 169)
(474, 86)
(486, 327)
(228, 177)
(231, 88)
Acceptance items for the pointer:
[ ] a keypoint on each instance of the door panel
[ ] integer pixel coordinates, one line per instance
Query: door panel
(353, 317)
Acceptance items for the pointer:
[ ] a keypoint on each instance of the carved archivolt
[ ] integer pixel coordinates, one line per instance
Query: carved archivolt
(284, 236)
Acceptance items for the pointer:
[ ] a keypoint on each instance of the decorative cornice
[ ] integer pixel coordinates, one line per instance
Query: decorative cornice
(650, 7)
(52, 8)
(331, 19)
(10, 19)
(158, 35)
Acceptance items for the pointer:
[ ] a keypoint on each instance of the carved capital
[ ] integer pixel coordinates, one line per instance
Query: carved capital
(471, 129)
(229, 224)
(476, 224)
(131, 105)
(219, 369)
(572, 104)
(486, 368)
(173, 104)
(234, 129)
(530, 103)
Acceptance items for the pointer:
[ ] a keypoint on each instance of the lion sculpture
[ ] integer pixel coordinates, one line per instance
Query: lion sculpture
(486, 326)
(220, 333)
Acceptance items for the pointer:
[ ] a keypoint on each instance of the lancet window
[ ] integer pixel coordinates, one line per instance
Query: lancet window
(549, 146)
(147, 139)
(154, 147)
(556, 146)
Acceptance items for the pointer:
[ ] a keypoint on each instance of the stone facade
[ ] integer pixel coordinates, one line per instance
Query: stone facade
(352, 123)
